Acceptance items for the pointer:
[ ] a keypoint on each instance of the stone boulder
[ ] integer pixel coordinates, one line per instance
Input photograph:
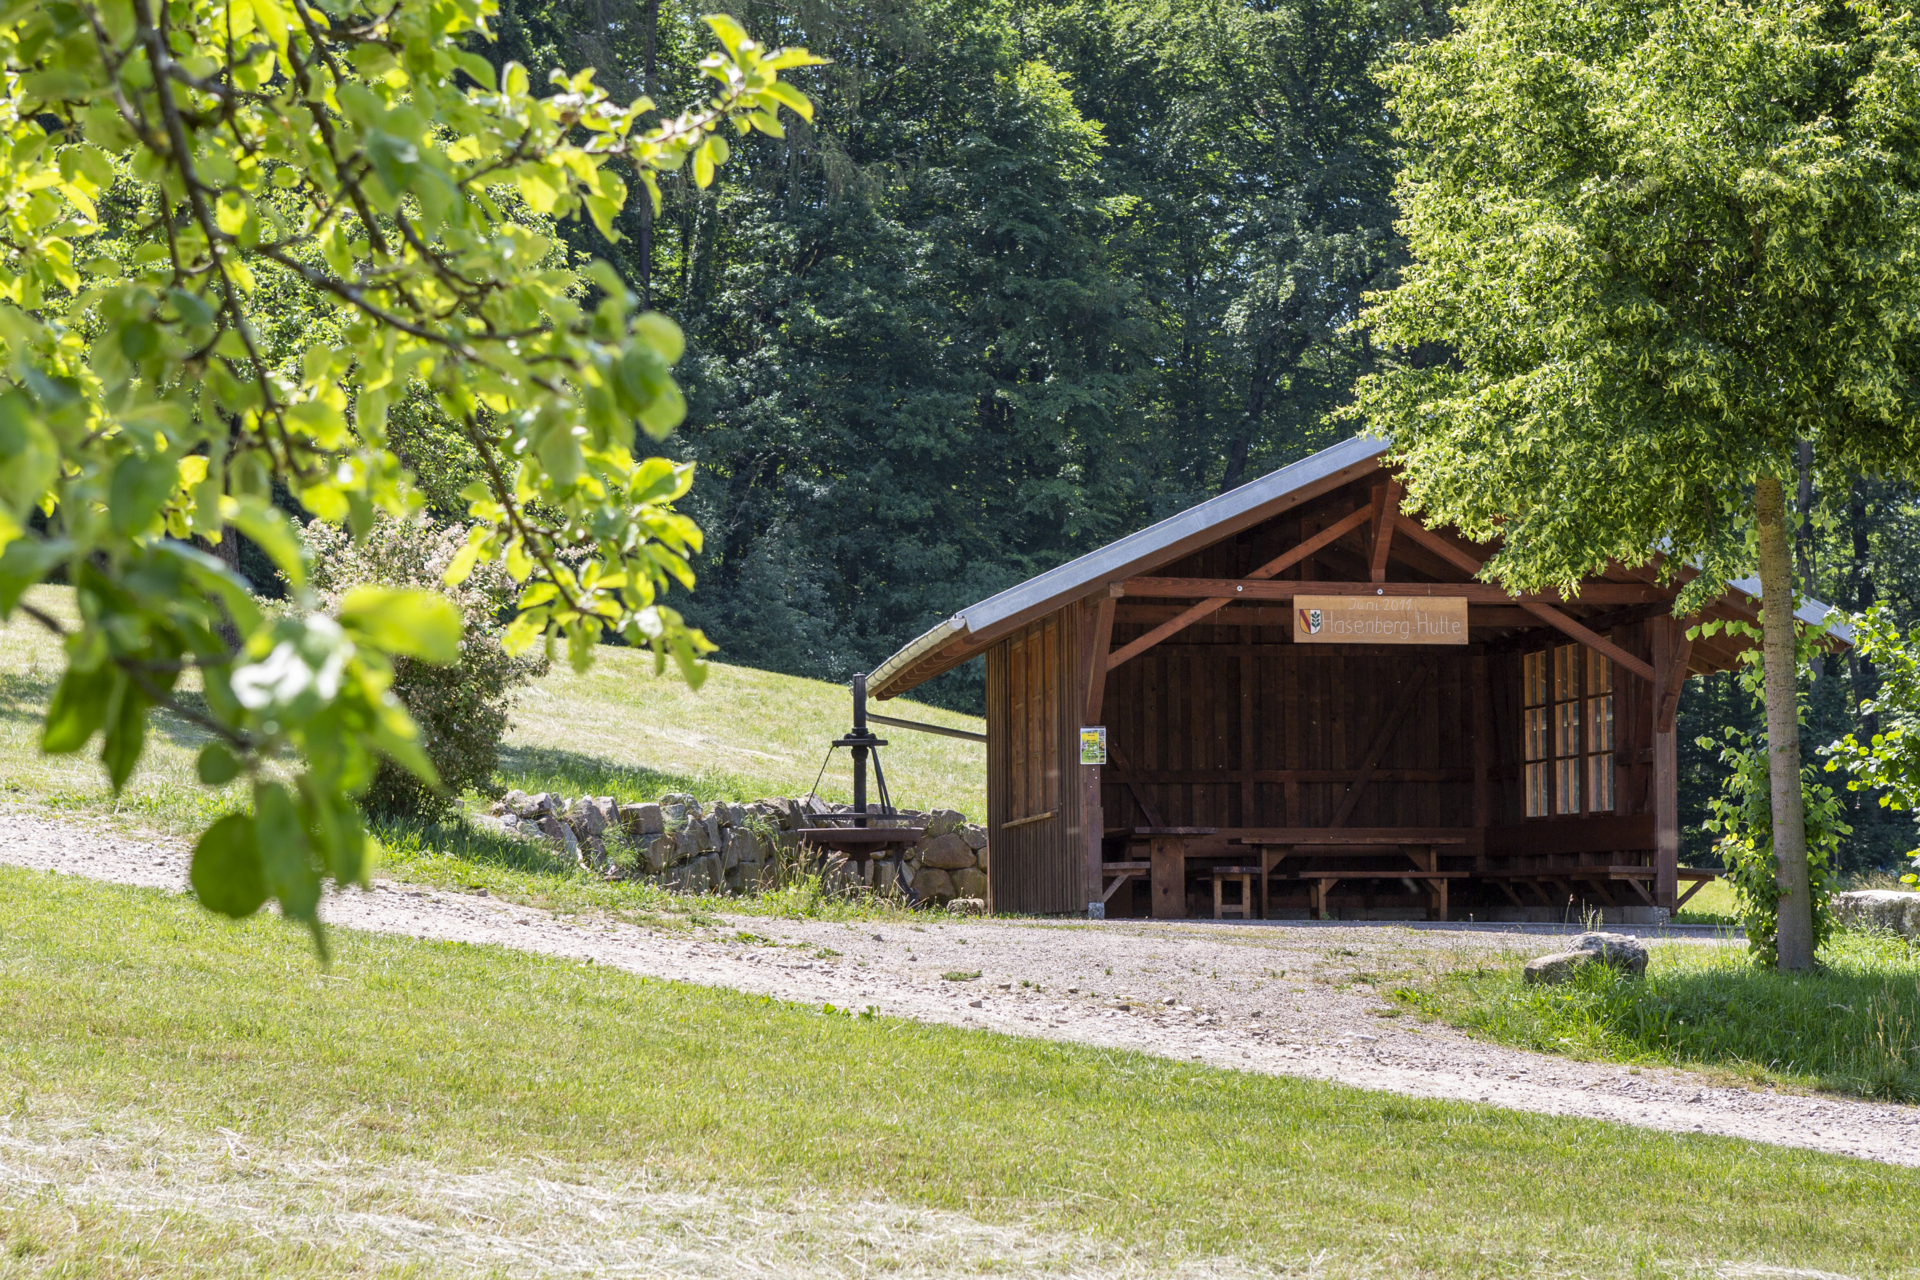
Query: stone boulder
(933, 885)
(587, 817)
(1886, 910)
(976, 837)
(559, 834)
(944, 822)
(686, 843)
(970, 882)
(642, 820)
(947, 852)
(659, 852)
(1626, 954)
(519, 804)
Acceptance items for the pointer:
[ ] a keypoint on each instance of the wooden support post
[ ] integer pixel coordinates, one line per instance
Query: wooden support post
(1669, 673)
(1386, 504)
(1098, 638)
(1168, 854)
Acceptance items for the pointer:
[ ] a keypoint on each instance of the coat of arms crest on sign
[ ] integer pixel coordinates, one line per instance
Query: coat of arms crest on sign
(1311, 620)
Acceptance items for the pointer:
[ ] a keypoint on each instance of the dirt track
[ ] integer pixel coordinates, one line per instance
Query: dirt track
(1276, 998)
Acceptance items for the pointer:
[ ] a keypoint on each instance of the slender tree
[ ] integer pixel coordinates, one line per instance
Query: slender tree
(1662, 243)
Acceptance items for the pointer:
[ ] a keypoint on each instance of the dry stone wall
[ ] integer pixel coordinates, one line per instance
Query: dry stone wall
(724, 847)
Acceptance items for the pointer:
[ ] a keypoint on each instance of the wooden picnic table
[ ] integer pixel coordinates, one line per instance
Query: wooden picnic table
(1165, 866)
(1420, 845)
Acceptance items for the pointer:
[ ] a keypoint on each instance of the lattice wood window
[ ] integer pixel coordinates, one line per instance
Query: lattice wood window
(1568, 731)
(1599, 693)
(1033, 727)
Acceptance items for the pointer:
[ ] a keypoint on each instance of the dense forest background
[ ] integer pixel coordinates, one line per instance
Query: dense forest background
(1035, 276)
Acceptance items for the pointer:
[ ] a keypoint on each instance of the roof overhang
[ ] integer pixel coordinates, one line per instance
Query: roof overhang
(965, 635)
(949, 643)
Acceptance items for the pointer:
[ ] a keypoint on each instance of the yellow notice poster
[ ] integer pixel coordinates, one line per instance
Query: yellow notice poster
(1380, 619)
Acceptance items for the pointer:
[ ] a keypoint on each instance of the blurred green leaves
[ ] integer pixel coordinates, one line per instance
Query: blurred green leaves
(233, 233)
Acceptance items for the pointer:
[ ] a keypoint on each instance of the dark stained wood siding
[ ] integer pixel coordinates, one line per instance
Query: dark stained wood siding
(1032, 762)
(1174, 718)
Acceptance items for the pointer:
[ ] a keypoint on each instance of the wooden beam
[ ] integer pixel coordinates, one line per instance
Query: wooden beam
(1473, 592)
(1249, 790)
(1124, 776)
(1266, 613)
(1332, 533)
(1181, 621)
(1386, 504)
(1589, 637)
(1227, 777)
(1093, 665)
(1666, 692)
(1381, 742)
(1441, 547)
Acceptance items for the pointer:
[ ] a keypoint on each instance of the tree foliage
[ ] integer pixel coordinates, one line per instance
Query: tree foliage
(1661, 246)
(1046, 272)
(1663, 243)
(460, 708)
(1886, 757)
(236, 233)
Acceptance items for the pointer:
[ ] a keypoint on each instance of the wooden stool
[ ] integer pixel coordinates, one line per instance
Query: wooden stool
(1246, 876)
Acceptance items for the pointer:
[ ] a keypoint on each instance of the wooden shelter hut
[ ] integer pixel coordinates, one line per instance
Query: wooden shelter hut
(1310, 707)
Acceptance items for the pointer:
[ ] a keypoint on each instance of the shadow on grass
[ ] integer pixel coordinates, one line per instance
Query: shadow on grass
(572, 774)
(25, 697)
(406, 839)
(1852, 1026)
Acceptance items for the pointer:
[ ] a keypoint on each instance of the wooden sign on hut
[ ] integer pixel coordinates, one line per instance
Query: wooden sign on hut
(1292, 700)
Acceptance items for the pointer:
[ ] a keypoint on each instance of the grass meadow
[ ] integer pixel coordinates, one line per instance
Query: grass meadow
(219, 1105)
(1853, 1026)
(617, 730)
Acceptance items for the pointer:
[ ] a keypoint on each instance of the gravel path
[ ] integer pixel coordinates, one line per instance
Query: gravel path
(1282, 999)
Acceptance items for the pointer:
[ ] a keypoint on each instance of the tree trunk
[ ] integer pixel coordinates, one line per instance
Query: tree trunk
(1795, 938)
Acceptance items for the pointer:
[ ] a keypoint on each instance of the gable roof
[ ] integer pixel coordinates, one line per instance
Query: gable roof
(967, 633)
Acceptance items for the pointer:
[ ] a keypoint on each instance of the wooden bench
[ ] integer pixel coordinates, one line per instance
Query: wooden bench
(1121, 872)
(1246, 876)
(1420, 846)
(1701, 877)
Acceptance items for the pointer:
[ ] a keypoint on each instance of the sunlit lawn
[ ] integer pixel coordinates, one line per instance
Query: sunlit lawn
(219, 1064)
(617, 730)
(1852, 1026)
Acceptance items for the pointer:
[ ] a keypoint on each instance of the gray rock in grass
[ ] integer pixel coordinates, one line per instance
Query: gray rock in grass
(1626, 954)
(1885, 910)
(949, 852)
(970, 882)
(642, 819)
(586, 818)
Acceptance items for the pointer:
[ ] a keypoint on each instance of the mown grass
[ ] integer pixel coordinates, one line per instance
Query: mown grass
(1713, 904)
(138, 1010)
(1852, 1027)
